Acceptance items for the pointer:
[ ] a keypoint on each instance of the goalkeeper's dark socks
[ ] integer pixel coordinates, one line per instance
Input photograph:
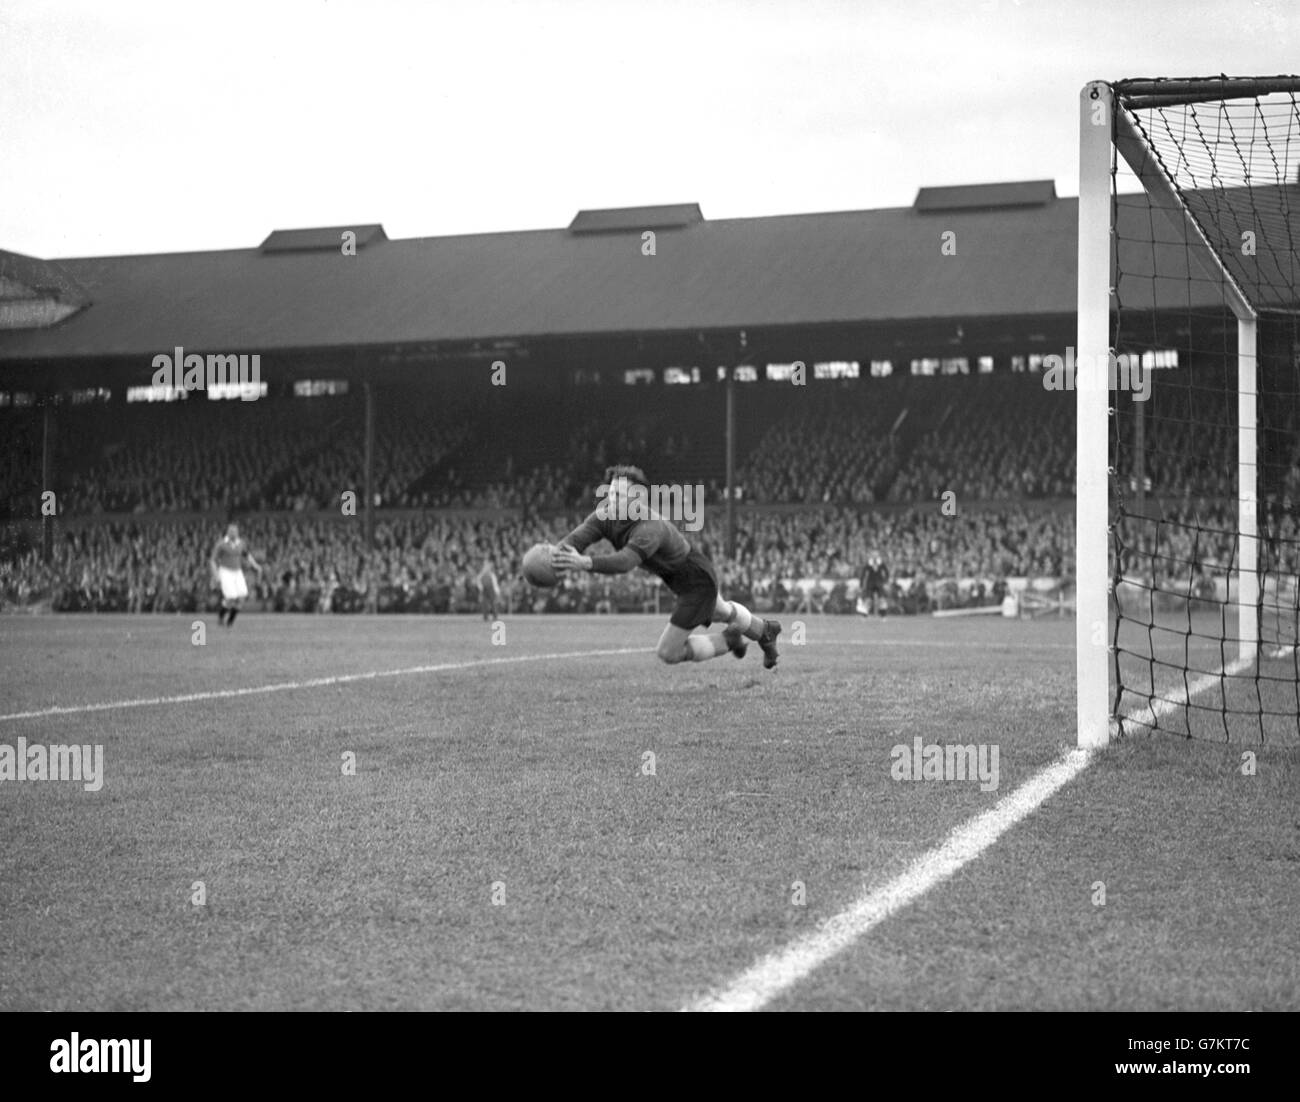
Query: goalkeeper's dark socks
(233, 613)
(746, 622)
(221, 616)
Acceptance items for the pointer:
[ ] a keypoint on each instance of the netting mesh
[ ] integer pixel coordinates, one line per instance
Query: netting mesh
(1205, 219)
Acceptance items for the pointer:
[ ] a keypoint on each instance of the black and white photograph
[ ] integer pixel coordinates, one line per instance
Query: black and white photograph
(648, 507)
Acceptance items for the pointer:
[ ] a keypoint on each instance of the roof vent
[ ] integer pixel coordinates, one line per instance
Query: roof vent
(1025, 193)
(320, 239)
(636, 219)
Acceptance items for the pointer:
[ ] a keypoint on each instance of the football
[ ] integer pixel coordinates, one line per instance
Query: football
(537, 565)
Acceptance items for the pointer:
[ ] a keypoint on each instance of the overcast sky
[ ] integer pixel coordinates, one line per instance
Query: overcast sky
(132, 126)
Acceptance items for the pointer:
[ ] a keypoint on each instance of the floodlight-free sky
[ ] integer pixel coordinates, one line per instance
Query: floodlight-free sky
(150, 126)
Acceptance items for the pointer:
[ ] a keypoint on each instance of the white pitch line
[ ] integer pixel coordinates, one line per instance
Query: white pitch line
(953, 644)
(1147, 714)
(781, 970)
(315, 682)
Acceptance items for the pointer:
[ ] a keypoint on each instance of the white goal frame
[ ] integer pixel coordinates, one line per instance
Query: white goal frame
(1101, 131)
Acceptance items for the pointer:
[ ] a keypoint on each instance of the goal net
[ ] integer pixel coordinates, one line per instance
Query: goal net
(1188, 401)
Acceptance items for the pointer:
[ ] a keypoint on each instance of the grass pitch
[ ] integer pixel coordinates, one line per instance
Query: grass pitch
(502, 844)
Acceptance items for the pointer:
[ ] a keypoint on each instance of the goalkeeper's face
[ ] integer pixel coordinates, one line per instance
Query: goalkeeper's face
(625, 500)
(617, 497)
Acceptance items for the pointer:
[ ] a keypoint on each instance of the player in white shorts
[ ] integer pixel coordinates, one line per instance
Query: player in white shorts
(227, 564)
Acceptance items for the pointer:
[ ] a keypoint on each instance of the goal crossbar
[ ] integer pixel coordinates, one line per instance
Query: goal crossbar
(1140, 94)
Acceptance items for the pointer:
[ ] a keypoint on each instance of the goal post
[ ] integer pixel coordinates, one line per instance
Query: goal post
(1096, 129)
(1180, 273)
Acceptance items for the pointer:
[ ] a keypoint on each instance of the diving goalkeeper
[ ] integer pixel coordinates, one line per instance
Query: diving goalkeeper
(656, 545)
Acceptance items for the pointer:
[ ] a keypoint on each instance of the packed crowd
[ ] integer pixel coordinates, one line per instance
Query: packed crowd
(908, 440)
(834, 458)
(200, 456)
(429, 562)
(1184, 549)
(983, 454)
(867, 468)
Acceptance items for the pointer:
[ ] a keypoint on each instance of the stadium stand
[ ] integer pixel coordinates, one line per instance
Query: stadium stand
(858, 468)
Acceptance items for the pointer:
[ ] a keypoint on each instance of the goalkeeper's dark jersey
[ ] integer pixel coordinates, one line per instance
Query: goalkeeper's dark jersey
(663, 550)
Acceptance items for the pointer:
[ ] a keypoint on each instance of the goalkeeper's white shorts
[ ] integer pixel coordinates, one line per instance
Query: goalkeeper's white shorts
(233, 585)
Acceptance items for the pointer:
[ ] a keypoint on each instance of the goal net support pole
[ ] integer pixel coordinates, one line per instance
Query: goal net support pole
(1247, 492)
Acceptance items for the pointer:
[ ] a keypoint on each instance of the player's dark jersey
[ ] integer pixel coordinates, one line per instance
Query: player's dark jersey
(230, 554)
(663, 550)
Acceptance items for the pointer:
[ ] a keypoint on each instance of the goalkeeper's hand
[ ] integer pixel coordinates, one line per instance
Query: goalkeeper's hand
(564, 557)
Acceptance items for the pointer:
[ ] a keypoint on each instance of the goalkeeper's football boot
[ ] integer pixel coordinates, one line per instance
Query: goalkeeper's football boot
(771, 629)
(735, 640)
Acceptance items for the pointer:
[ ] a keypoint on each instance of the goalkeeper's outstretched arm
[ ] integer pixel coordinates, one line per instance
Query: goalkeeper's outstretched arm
(582, 537)
(565, 557)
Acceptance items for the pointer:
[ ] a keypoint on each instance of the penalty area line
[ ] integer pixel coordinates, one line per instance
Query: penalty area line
(777, 972)
(312, 683)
